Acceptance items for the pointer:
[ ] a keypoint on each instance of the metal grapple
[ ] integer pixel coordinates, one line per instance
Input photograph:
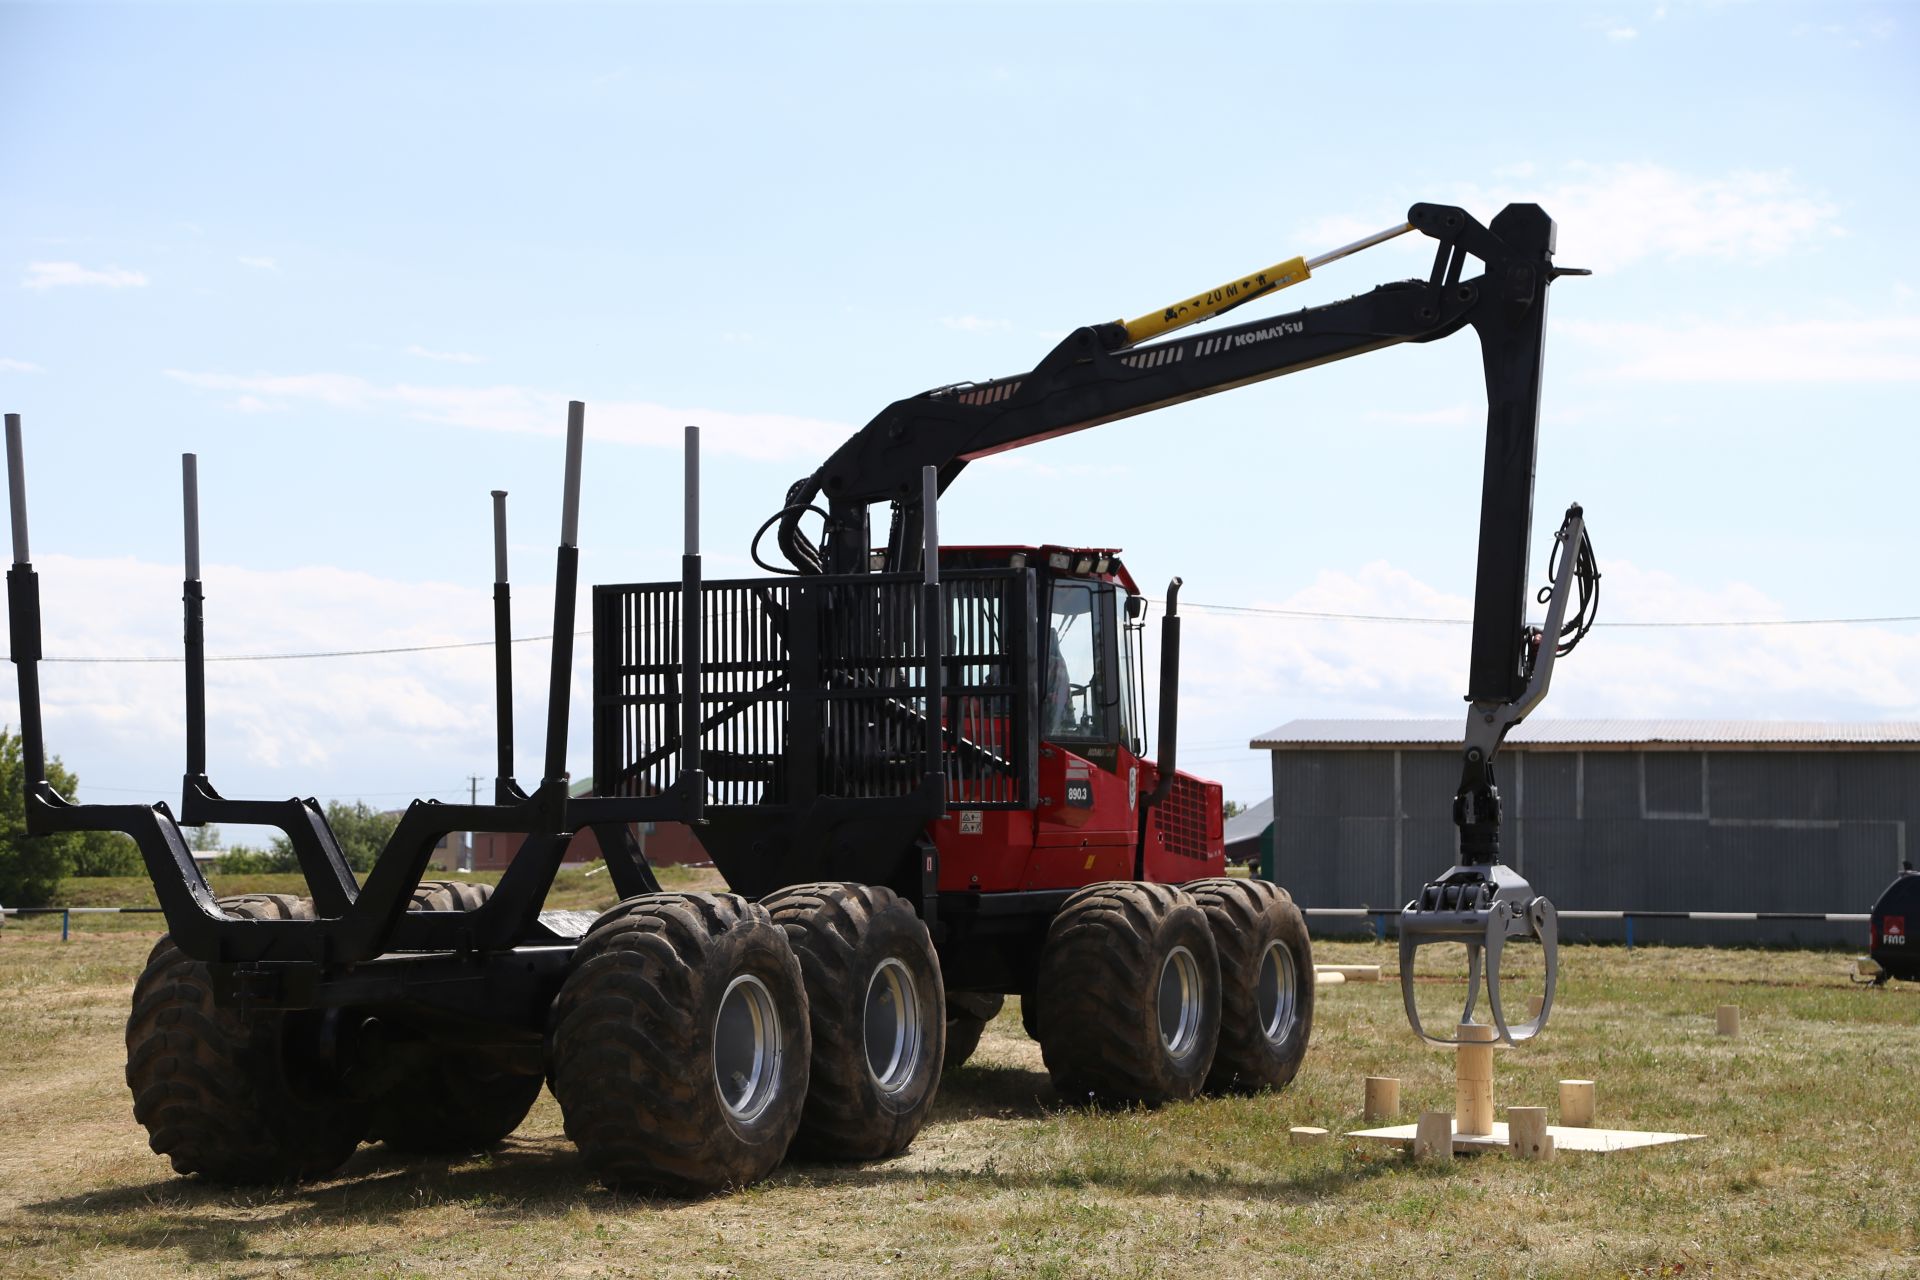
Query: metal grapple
(1482, 903)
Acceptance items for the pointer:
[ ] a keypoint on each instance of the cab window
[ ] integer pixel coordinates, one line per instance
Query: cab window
(1075, 704)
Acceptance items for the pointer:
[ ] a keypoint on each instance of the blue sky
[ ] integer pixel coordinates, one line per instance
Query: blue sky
(358, 257)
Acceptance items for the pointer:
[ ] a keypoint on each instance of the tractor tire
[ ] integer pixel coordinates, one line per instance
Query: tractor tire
(878, 1013)
(229, 1098)
(449, 895)
(1266, 983)
(1030, 1015)
(450, 1099)
(968, 1013)
(1129, 995)
(679, 1044)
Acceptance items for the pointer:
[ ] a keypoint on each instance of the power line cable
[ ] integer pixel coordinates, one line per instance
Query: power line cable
(1191, 606)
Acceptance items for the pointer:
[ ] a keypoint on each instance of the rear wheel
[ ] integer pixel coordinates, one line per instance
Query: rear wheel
(446, 1098)
(1129, 995)
(1266, 983)
(968, 1013)
(449, 895)
(680, 1044)
(878, 1015)
(232, 1098)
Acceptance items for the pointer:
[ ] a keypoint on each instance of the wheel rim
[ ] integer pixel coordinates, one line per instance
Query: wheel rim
(891, 1024)
(1274, 996)
(1179, 1002)
(746, 1048)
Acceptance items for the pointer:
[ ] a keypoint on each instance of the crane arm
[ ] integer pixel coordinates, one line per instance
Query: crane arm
(1102, 373)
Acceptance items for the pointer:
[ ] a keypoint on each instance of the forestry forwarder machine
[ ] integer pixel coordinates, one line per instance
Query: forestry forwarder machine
(922, 770)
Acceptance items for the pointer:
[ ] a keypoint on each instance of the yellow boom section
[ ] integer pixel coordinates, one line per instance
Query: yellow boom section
(1203, 306)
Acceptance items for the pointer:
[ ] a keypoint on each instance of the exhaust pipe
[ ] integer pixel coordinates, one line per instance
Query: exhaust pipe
(1168, 760)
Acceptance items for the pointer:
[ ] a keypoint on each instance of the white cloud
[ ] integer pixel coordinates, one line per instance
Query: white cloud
(327, 726)
(55, 275)
(9, 365)
(1611, 216)
(1621, 34)
(1879, 350)
(975, 324)
(1245, 673)
(760, 436)
(444, 357)
(260, 264)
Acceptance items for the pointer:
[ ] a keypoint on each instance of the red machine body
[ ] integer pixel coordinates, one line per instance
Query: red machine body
(1085, 826)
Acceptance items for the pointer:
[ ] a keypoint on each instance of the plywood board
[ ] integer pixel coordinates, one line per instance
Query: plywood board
(1564, 1139)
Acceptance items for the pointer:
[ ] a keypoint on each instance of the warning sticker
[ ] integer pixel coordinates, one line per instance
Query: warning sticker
(972, 822)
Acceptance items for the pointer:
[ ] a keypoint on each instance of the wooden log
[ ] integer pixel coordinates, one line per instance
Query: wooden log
(1473, 1079)
(1383, 1098)
(1433, 1136)
(1351, 972)
(1305, 1135)
(1328, 979)
(1727, 1020)
(1534, 1005)
(1576, 1104)
(1527, 1136)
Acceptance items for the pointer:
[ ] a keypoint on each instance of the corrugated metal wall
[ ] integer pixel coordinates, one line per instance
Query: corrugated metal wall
(1815, 830)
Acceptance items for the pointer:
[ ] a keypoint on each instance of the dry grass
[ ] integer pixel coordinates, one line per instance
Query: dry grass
(1809, 1167)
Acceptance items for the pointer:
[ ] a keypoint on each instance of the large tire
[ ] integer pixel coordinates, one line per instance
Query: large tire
(233, 1099)
(968, 1013)
(640, 1047)
(1266, 983)
(450, 895)
(1129, 995)
(449, 1099)
(878, 1013)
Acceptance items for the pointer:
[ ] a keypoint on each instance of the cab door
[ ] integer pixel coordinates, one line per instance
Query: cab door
(1089, 782)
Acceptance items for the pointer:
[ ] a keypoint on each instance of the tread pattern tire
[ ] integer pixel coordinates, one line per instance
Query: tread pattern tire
(451, 1099)
(1100, 975)
(968, 1014)
(633, 1043)
(1249, 916)
(843, 934)
(449, 895)
(220, 1095)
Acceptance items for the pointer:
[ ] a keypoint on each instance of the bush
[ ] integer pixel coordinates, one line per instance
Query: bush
(108, 853)
(242, 861)
(31, 867)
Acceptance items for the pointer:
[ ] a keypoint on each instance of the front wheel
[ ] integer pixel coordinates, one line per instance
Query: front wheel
(1266, 983)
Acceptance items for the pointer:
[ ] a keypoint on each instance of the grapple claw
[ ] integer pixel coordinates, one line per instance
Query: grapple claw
(1481, 907)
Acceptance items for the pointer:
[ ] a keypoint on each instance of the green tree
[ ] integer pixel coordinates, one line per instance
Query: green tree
(1232, 809)
(107, 853)
(31, 867)
(361, 830)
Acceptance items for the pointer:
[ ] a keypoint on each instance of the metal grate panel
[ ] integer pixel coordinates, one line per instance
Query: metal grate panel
(816, 687)
(1182, 818)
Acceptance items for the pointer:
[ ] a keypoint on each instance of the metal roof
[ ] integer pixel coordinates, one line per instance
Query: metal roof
(1618, 734)
(1248, 824)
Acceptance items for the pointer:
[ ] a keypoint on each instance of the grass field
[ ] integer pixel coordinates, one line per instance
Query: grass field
(1809, 1167)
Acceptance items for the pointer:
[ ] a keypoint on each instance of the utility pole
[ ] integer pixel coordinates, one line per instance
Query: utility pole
(473, 795)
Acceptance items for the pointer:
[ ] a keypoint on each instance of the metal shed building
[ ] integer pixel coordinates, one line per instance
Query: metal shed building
(1650, 815)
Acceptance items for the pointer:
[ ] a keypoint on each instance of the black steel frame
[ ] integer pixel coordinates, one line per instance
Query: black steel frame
(493, 963)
